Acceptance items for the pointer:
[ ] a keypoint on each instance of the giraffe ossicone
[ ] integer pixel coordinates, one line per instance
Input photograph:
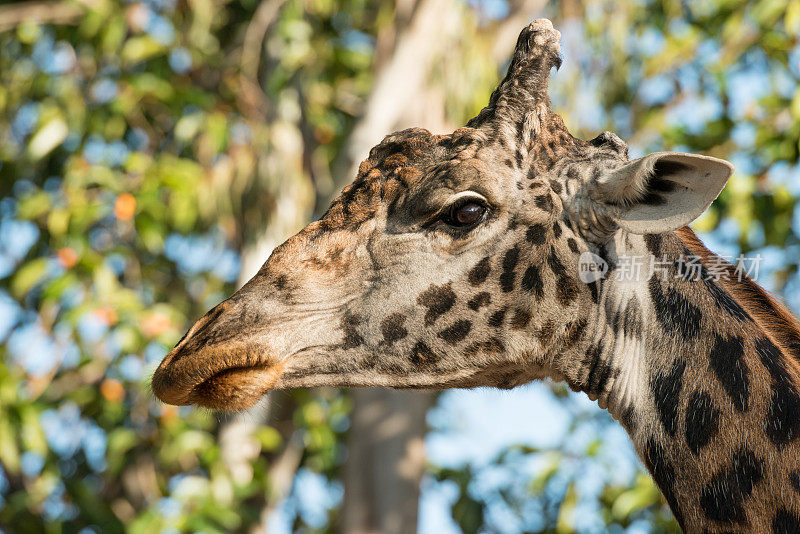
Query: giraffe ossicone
(456, 261)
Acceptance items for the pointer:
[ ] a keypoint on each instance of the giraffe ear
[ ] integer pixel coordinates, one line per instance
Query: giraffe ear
(661, 192)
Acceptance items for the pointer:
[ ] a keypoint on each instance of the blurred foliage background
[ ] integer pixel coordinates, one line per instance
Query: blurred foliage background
(152, 153)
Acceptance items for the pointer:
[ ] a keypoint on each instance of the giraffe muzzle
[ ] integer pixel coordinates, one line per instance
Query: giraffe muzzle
(215, 366)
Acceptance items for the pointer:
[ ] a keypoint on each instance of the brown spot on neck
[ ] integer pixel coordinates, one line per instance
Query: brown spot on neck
(769, 314)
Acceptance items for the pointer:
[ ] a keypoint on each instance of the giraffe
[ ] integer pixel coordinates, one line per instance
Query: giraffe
(454, 261)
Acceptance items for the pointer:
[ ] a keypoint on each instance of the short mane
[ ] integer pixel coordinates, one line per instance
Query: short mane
(768, 312)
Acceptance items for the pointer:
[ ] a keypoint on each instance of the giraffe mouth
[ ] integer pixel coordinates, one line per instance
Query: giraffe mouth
(216, 377)
(216, 386)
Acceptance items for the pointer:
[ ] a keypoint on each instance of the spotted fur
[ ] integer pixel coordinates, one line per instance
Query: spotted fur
(723, 498)
(702, 421)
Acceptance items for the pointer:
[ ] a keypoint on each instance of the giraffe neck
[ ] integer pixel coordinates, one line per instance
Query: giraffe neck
(706, 387)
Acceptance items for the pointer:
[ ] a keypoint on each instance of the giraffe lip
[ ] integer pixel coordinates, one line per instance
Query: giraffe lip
(236, 388)
(211, 380)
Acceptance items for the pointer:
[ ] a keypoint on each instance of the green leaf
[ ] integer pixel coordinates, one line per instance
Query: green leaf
(9, 450)
(641, 496)
(137, 49)
(792, 18)
(48, 137)
(566, 514)
(28, 276)
(120, 441)
(33, 205)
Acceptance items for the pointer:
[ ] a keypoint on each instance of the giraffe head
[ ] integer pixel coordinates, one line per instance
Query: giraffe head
(451, 261)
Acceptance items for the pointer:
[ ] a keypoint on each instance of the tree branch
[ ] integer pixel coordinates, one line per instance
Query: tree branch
(265, 14)
(43, 12)
(397, 84)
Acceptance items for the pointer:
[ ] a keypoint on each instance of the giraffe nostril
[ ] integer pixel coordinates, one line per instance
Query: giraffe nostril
(197, 328)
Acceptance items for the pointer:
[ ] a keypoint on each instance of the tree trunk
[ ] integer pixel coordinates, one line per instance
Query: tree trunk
(281, 181)
(386, 450)
(385, 461)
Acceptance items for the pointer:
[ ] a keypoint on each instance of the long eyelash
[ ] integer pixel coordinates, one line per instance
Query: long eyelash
(456, 205)
(440, 215)
(462, 202)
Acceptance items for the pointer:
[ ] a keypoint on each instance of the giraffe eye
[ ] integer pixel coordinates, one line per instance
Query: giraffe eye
(465, 214)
